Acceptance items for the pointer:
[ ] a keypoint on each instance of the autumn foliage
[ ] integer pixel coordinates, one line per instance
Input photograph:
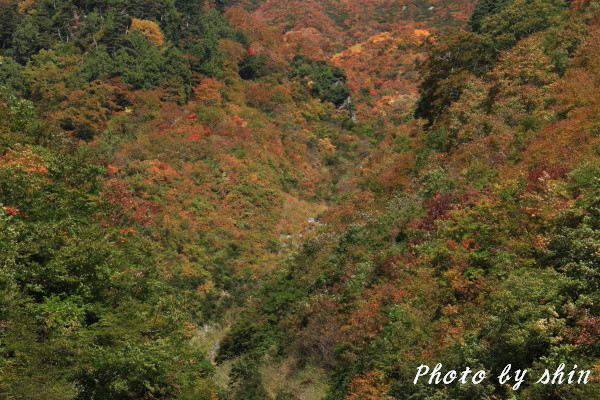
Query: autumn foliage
(284, 200)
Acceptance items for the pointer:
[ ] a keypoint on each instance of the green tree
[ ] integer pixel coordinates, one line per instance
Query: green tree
(11, 75)
(140, 62)
(452, 60)
(325, 82)
(10, 20)
(25, 40)
(522, 18)
(483, 9)
(138, 371)
(98, 65)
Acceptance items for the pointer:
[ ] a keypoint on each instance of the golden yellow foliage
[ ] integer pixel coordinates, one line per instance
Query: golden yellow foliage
(326, 145)
(24, 7)
(149, 29)
(380, 37)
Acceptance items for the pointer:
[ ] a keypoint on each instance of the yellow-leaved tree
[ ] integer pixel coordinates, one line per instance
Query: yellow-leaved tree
(149, 29)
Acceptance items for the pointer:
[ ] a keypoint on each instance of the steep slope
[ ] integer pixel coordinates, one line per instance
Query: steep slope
(296, 200)
(153, 167)
(468, 239)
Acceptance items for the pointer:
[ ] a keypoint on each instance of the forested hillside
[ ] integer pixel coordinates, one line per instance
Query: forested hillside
(253, 200)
